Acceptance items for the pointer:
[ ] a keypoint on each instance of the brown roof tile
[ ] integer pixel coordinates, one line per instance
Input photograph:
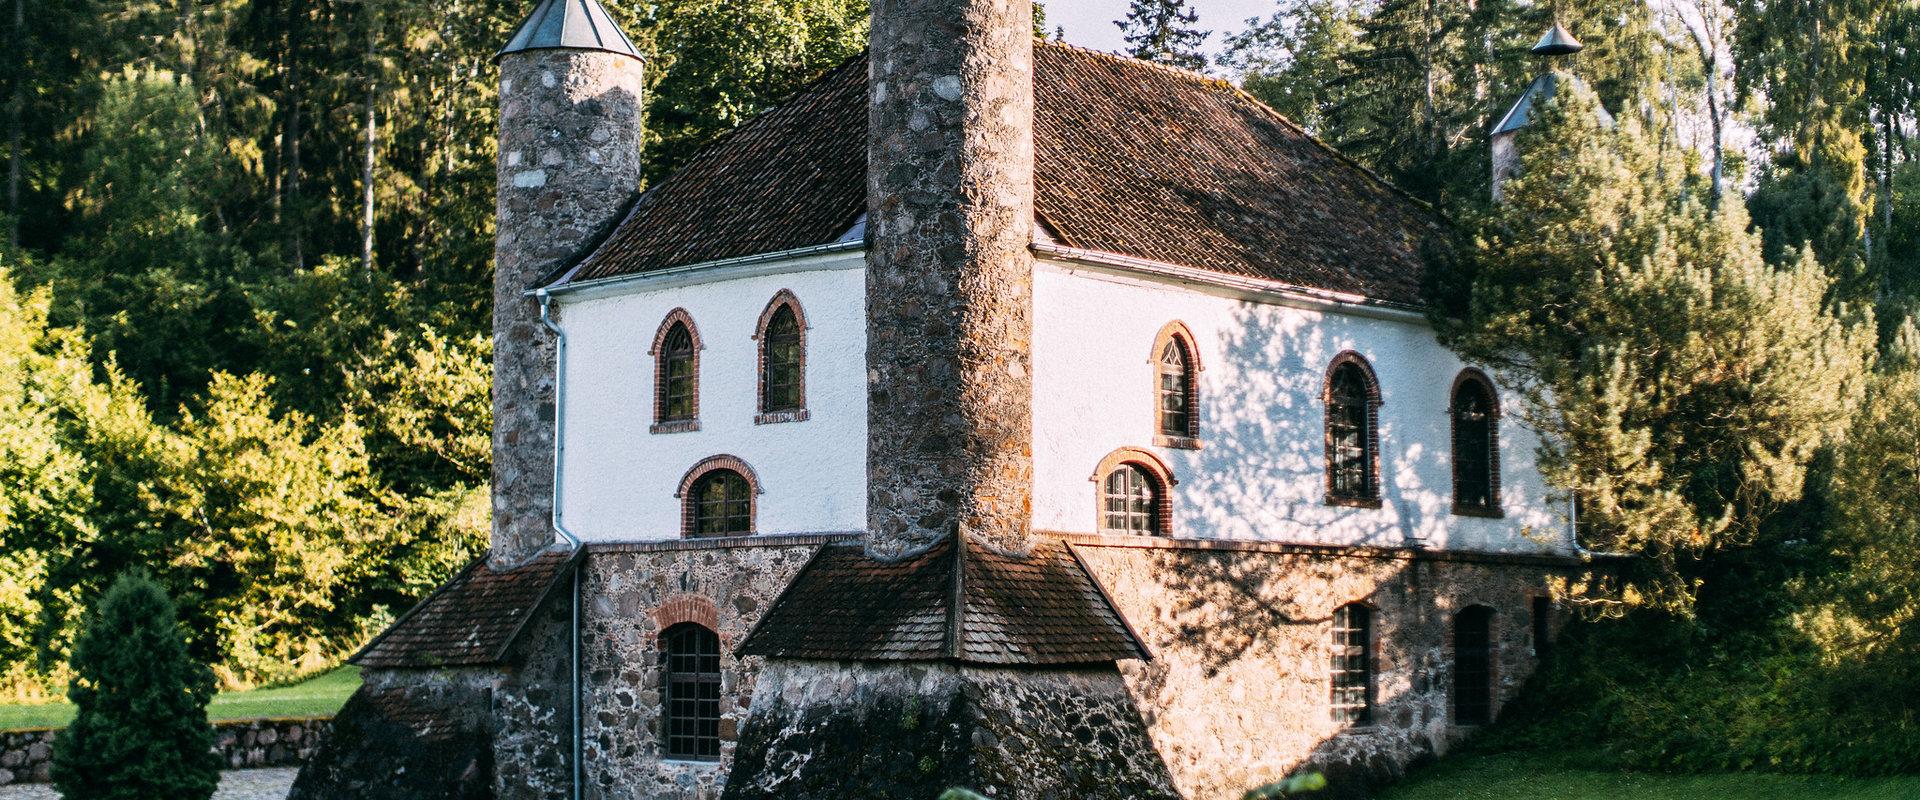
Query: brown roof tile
(1043, 608)
(1132, 158)
(470, 621)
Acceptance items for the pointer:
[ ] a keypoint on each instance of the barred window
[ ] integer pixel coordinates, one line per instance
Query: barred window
(782, 359)
(1353, 665)
(722, 501)
(1176, 389)
(1130, 501)
(1476, 452)
(1473, 666)
(690, 655)
(1350, 434)
(677, 374)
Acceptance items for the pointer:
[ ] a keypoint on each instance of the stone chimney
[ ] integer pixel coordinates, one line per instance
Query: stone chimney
(949, 274)
(570, 87)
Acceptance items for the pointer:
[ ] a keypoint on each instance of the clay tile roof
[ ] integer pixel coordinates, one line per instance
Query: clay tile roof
(470, 621)
(1040, 609)
(1132, 158)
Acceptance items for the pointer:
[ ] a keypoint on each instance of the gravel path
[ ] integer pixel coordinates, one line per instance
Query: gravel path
(245, 784)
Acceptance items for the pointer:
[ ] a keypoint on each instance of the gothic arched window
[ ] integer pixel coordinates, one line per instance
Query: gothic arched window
(1473, 666)
(717, 498)
(1352, 664)
(1133, 487)
(1476, 445)
(676, 374)
(1176, 369)
(1353, 434)
(690, 661)
(783, 360)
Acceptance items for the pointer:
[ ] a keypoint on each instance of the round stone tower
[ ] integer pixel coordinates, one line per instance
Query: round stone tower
(570, 124)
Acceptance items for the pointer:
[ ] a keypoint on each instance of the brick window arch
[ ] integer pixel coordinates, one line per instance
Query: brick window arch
(1352, 399)
(676, 374)
(1474, 415)
(1133, 494)
(782, 337)
(690, 667)
(719, 497)
(1176, 387)
(1352, 667)
(1473, 659)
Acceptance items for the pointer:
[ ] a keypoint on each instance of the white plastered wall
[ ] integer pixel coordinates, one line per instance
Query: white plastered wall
(619, 480)
(1261, 472)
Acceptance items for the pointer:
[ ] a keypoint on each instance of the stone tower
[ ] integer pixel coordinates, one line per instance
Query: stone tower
(949, 274)
(570, 90)
(1557, 41)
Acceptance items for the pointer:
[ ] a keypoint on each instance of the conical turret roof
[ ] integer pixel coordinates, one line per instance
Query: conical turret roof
(1557, 41)
(569, 25)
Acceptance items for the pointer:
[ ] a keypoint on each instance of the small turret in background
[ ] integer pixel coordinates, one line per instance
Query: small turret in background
(1554, 44)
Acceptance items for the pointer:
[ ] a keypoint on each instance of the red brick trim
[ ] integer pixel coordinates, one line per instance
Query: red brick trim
(1466, 377)
(1372, 497)
(688, 607)
(1190, 440)
(1155, 468)
(783, 298)
(709, 464)
(661, 423)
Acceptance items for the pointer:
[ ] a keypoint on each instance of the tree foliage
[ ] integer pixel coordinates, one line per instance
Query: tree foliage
(1163, 31)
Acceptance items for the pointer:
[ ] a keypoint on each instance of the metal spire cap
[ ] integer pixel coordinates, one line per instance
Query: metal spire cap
(569, 25)
(1557, 41)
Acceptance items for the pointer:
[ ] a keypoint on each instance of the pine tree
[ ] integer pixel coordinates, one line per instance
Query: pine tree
(141, 731)
(1162, 31)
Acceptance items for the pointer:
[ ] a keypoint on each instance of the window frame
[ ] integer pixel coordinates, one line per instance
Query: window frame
(1156, 472)
(1473, 379)
(672, 681)
(689, 501)
(1370, 496)
(662, 423)
(764, 414)
(1173, 334)
(1485, 707)
(1367, 665)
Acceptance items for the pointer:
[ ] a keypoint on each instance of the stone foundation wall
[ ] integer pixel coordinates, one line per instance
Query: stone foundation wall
(634, 592)
(27, 756)
(1239, 691)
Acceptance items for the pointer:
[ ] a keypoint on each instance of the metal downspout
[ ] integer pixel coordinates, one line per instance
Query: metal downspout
(573, 542)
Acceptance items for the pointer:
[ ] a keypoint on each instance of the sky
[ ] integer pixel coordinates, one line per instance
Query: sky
(1089, 23)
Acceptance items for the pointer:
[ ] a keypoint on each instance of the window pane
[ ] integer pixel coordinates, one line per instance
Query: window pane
(1349, 435)
(1473, 447)
(1176, 390)
(1352, 665)
(1473, 666)
(1129, 502)
(781, 379)
(676, 401)
(691, 655)
(722, 504)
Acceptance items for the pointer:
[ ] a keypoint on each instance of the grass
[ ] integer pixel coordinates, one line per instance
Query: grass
(1548, 776)
(319, 696)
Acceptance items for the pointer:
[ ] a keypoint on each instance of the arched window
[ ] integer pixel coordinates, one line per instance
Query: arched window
(1476, 445)
(1133, 485)
(717, 498)
(1353, 664)
(783, 353)
(690, 659)
(1473, 666)
(676, 374)
(1353, 434)
(1176, 368)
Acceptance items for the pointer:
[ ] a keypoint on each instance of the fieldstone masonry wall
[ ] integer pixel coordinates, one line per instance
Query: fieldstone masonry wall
(949, 274)
(569, 162)
(637, 591)
(1239, 694)
(27, 756)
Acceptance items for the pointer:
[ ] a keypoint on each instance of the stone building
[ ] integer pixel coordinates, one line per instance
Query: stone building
(991, 413)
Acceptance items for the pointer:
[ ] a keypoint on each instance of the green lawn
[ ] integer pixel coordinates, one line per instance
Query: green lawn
(1523, 776)
(316, 697)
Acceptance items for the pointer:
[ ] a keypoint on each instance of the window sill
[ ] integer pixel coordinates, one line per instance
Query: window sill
(777, 417)
(1484, 513)
(1177, 442)
(1353, 502)
(675, 426)
(706, 763)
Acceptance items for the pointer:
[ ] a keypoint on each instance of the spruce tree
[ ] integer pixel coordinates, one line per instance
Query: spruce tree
(141, 732)
(1162, 31)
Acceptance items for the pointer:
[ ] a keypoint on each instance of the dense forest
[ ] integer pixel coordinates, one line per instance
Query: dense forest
(243, 314)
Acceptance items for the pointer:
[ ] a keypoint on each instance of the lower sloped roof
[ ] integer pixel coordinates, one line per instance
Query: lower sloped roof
(471, 620)
(1039, 609)
(1131, 158)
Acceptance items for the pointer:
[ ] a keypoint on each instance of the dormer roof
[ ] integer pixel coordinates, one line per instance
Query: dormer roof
(1132, 158)
(569, 25)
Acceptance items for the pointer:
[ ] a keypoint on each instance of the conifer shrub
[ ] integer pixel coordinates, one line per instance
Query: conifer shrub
(141, 730)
